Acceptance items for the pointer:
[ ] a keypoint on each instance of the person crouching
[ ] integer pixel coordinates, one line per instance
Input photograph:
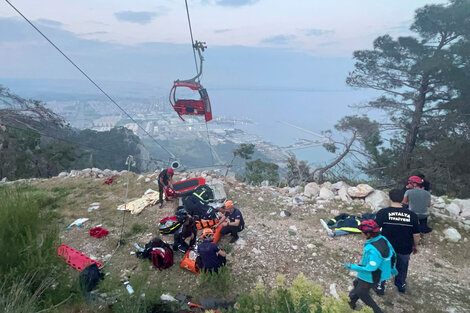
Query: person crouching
(211, 256)
(377, 264)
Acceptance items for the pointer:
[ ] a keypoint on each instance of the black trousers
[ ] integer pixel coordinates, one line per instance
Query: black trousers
(233, 230)
(361, 291)
(423, 226)
(222, 261)
(160, 192)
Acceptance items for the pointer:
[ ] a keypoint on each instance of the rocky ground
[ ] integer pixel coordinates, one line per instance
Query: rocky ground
(283, 235)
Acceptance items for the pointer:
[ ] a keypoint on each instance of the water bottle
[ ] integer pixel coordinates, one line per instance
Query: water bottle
(129, 288)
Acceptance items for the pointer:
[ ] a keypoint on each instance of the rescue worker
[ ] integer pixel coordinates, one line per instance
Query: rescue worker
(419, 201)
(186, 231)
(233, 222)
(165, 180)
(377, 265)
(211, 256)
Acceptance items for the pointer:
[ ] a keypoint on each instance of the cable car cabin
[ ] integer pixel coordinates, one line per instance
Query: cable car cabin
(201, 107)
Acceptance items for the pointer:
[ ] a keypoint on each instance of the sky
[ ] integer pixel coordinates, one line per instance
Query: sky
(322, 28)
(267, 60)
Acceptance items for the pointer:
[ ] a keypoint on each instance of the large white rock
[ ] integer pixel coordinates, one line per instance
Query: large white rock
(464, 207)
(453, 209)
(326, 184)
(339, 185)
(326, 194)
(343, 194)
(62, 174)
(378, 200)
(360, 191)
(452, 234)
(312, 190)
(219, 191)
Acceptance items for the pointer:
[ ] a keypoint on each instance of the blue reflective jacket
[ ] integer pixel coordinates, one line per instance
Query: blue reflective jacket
(378, 262)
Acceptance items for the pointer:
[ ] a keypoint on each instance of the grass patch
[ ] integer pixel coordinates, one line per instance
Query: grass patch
(216, 284)
(292, 233)
(136, 228)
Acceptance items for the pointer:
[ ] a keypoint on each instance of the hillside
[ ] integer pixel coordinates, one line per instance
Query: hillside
(273, 243)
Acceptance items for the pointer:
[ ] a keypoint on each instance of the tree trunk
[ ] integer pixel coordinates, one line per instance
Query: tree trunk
(412, 131)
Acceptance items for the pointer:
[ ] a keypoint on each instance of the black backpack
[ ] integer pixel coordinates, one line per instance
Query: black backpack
(90, 277)
(150, 246)
(204, 193)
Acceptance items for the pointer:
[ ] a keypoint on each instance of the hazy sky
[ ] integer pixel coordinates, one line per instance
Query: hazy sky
(322, 28)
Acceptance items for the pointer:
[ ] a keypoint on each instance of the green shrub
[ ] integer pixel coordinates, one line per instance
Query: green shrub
(216, 284)
(29, 239)
(301, 297)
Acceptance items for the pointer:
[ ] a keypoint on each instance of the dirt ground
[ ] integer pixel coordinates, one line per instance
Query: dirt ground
(438, 279)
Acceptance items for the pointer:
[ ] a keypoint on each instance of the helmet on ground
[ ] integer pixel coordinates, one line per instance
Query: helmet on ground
(369, 226)
(207, 232)
(228, 204)
(170, 171)
(415, 179)
(181, 215)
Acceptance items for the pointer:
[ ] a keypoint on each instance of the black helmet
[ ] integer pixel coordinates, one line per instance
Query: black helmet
(181, 215)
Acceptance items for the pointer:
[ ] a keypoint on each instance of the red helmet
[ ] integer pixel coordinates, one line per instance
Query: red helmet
(170, 171)
(415, 179)
(369, 226)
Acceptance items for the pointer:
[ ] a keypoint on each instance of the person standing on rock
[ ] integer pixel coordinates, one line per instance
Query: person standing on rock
(419, 201)
(377, 265)
(165, 180)
(401, 227)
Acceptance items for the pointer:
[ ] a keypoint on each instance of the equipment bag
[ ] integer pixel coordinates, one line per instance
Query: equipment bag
(162, 257)
(204, 193)
(190, 261)
(169, 225)
(206, 223)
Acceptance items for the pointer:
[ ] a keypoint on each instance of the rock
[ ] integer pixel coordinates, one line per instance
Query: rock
(218, 188)
(140, 177)
(148, 179)
(343, 194)
(4, 180)
(452, 234)
(63, 174)
(260, 199)
(295, 247)
(333, 292)
(326, 185)
(107, 172)
(311, 190)
(73, 173)
(378, 200)
(360, 191)
(285, 213)
(310, 246)
(265, 183)
(167, 297)
(453, 209)
(339, 185)
(114, 172)
(256, 251)
(297, 200)
(86, 171)
(326, 194)
(293, 227)
(464, 207)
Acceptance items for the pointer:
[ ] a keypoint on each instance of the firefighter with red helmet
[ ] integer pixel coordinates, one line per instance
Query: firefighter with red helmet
(377, 264)
(165, 180)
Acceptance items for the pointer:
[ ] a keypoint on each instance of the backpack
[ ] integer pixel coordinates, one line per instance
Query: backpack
(169, 225)
(90, 277)
(204, 193)
(191, 261)
(162, 257)
(150, 246)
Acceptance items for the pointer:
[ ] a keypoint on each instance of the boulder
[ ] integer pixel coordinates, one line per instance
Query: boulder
(453, 209)
(464, 207)
(378, 200)
(452, 234)
(63, 174)
(343, 194)
(326, 194)
(312, 190)
(339, 185)
(326, 185)
(219, 191)
(265, 183)
(294, 190)
(360, 191)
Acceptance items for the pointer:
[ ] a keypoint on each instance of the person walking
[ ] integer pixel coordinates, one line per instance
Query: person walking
(165, 180)
(401, 227)
(419, 201)
(377, 265)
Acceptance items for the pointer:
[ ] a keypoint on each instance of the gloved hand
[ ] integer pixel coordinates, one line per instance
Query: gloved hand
(165, 187)
(347, 265)
(172, 186)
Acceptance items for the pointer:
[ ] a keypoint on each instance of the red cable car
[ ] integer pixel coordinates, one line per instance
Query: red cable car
(201, 106)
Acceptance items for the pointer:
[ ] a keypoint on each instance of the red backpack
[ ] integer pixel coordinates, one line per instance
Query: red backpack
(162, 257)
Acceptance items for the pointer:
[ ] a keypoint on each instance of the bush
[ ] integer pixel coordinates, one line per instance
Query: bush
(216, 284)
(29, 264)
(301, 297)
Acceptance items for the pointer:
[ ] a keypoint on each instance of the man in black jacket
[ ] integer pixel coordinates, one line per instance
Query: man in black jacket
(400, 226)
